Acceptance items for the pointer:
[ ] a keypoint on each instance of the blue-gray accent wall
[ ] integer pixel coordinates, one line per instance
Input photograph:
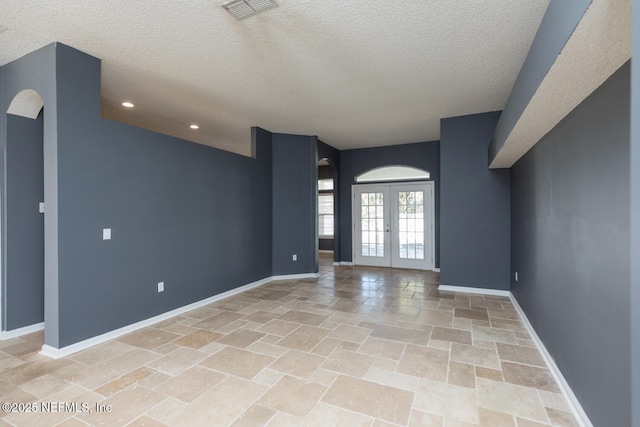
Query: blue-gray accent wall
(195, 217)
(635, 218)
(24, 176)
(570, 247)
(36, 71)
(558, 23)
(295, 188)
(474, 206)
(422, 155)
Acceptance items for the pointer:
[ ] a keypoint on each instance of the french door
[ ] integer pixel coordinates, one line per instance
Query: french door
(393, 225)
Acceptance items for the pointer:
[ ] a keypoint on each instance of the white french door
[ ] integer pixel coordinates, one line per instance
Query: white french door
(371, 239)
(393, 225)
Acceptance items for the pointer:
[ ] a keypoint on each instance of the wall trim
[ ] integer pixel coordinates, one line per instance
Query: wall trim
(572, 400)
(296, 276)
(468, 290)
(25, 330)
(57, 353)
(436, 269)
(349, 263)
(325, 251)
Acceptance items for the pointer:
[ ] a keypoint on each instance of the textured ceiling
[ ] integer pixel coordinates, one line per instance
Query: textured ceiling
(356, 73)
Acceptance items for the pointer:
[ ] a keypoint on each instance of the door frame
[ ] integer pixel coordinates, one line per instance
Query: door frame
(389, 185)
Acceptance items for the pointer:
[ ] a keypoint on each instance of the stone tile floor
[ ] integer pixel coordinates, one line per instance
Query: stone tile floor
(355, 347)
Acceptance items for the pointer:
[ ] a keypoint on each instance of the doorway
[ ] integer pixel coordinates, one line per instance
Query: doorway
(326, 206)
(23, 228)
(394, 225)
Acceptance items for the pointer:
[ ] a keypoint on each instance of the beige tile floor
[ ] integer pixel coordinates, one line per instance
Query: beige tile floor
(355, 347)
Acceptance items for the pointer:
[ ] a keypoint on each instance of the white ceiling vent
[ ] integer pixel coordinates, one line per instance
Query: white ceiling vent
(242, 9)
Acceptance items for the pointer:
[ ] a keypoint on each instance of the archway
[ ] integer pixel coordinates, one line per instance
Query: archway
(22, 233)
(327, 207)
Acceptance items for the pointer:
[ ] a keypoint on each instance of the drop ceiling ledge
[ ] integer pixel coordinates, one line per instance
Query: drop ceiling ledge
(599, 45)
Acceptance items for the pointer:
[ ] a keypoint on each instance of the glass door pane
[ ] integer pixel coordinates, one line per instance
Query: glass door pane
(372, 224)
(410, 225)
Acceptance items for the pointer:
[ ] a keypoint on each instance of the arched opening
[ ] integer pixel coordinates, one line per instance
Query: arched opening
(27, 103)
(327, 208)
(393, 173)
(23, 222)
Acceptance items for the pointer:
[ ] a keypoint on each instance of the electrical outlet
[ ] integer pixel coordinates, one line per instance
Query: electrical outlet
(160, 286)
(295, 257)
(516, 276)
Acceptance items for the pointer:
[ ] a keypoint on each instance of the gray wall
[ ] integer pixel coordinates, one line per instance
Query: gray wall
(635, 219)
(24, 176)
(197, 218)
(36, 71)
(422, 155)
(474, 206)
(557, 25)
(570, 246)
(295, 187)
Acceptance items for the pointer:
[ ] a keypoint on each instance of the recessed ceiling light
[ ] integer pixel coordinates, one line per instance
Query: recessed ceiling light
(194, 126)
(127, 104)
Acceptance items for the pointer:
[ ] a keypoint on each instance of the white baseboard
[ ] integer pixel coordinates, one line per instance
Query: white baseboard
(467, 290)
(295, 276)
(324, 251)
(348, 263)
(57, 353)
(572, 400)
(436, 269)
(15, 333)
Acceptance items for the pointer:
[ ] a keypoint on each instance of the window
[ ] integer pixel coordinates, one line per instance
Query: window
(393, 173)
(325, 208)
(325, 184)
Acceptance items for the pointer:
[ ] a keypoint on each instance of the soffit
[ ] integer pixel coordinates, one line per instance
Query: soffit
(600, 45)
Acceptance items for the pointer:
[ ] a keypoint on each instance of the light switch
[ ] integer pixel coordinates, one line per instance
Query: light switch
(160, 286)
(41, 207)
(106, 234)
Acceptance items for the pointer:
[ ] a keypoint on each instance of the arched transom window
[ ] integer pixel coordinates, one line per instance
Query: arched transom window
(393, 173)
